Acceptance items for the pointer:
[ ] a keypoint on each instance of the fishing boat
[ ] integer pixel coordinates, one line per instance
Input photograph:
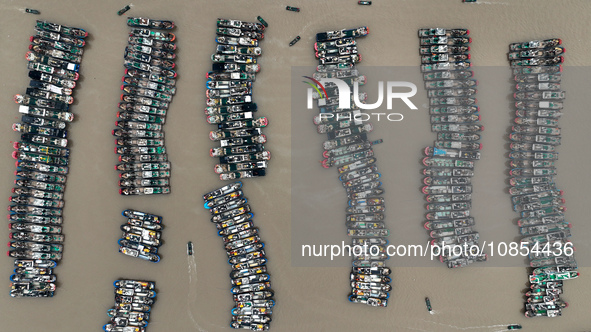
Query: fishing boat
(428, 304)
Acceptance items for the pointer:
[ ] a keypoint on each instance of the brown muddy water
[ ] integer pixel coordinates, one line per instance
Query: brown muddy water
(193, 292)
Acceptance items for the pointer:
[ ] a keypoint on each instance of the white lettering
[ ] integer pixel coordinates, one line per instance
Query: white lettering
(402, 95)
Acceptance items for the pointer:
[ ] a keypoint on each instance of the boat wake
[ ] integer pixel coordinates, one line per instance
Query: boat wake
(491, 3)
(504, 326)
(192, 294)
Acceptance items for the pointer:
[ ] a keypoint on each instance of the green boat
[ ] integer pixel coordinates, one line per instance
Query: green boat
(48, 26)
(428, 303)
(536, 279)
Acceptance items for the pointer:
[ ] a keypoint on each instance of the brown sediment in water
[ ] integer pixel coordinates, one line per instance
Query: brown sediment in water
(311, 298)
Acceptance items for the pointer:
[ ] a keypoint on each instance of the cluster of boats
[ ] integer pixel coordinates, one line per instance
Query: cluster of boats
(535, 138)
(133, 303)
(148, 88)
(350, 151)
(33, 277)
(230, 106)
(251, 285)
(449, 163)
(42, 156)
(141, 235)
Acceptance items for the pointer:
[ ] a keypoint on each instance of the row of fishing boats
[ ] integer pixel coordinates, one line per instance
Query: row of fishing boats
(133, 303)
(251, 285)
(141, 235)
(148, 87)
(230, 105)
(543, 297)
(535, 138)
(449, 162)
(350, 151)
(42, 155)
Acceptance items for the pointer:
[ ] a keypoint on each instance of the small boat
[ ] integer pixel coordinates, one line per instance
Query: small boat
(68, 31)
(453, 136)
(443, 32)
(234, 32)
(240, 25)
(528, 163)
(69, 48)
(548, 237)
(222, 191)
(38, 100)
(222, 217)
(31, 218)
(156, 35)
(371, 286)
(234, 204)
(294, 41)
(263, 22)
(42, 50)
(250, 326)
(367, 233)
(446, 181)
(40, 211)
(257, 287)
(144, 174)
(41, 149)
(131, 315)
(56, 63)
(144, 223)
(338, 34)
(534, 44)
(328, 60)
(30, 264)
(41, 122)
(537, 61)
(32, 11)
(135, 133)
(41, 238)
(139, 254)
(538, 86)
(541, 197)
(566, 275)
(247, 250)
(142, 66)
(554, 70)
(61, 77)
(134, 284)
(428, 303)
(468, 118)
(374, 302)
(39, 247)
(123, 10)
(514, 327)
(538, 95)
(36, 201)
(43, 112)
(223, 199)
(134, 307)
(550, 210)
(143, 166)
(444, 57)
(27, 254)
(143, 249)
(141, 22)
(61, 38)
(553, 261)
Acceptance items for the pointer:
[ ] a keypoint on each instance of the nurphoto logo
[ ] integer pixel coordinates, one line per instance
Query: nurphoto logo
(339, 89)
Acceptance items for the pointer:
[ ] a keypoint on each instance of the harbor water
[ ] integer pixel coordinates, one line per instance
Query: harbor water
(193, 291)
